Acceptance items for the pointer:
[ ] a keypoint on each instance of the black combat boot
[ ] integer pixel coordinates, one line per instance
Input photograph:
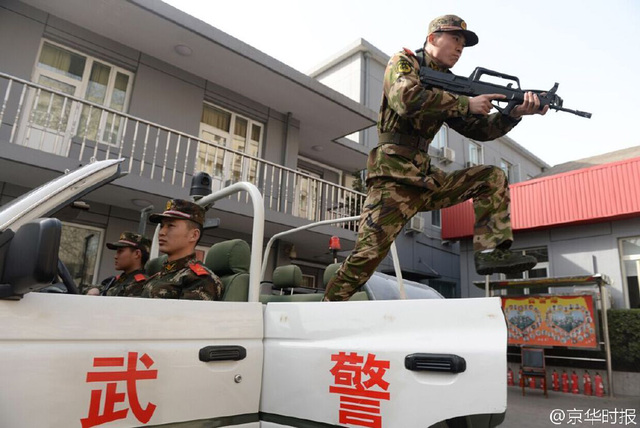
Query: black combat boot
(502, 261)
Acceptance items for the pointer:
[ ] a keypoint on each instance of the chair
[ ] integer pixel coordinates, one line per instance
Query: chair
(154, 266)
(330, 271)
(533, 366)
(230, 261)
(288, 277)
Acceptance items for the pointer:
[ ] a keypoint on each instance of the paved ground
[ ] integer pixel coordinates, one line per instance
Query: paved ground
(534, 410)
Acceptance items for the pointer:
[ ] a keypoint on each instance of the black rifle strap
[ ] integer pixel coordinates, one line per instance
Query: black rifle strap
(420, 56)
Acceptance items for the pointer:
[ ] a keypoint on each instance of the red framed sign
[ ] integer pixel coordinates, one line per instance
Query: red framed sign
(568, 321)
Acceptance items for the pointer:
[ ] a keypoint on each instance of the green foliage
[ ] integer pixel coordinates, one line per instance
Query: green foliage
(624, 333)
(358, 184)
(355, 204)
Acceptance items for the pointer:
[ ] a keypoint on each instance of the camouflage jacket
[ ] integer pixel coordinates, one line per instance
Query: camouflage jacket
(411, 109)
(185, 278)
(125, 284)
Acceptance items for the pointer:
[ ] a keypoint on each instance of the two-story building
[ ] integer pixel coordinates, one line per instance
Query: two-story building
(143, 81)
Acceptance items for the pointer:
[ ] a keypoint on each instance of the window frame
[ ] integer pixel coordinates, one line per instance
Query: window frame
(438, 216)
(228, 137)
(623, 269)
(509, 170)
(443, 141)
(479, 149)
(100, 247)
(82, 85)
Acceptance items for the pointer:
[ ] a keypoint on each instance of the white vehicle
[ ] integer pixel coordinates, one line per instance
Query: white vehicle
(69, 360)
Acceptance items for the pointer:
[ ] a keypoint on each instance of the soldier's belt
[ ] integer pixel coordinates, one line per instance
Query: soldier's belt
(403, 140)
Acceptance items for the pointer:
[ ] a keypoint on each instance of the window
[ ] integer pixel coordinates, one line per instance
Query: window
(436, 220)
(308, 192)
(507, 168)
(475, 154)
(225, 130)
(80, 249)
(201, 252)
(440, 139)
(53, 118)
(541, 270)
(446, 288)
(308, 281)
(630, 253)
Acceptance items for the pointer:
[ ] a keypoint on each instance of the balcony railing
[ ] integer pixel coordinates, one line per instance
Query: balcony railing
(48, 120)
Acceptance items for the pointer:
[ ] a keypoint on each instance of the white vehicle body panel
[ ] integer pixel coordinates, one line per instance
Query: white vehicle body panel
(300, 339)
(48, 343)
(52, 344)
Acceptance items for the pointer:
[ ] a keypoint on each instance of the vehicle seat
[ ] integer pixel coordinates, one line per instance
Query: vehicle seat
(154, 266)
(330, 272)
(230, 261)
(289, 277)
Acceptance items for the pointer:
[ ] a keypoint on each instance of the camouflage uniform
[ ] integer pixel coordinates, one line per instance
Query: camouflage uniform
(185, 278)
(402, 181)
(125, 284)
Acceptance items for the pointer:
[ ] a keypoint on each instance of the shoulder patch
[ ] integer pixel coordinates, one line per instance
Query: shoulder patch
(403, 67)
(140, 277)
(198, 269)
(408, 52)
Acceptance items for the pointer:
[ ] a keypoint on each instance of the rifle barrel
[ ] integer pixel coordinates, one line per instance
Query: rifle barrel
(576, 112)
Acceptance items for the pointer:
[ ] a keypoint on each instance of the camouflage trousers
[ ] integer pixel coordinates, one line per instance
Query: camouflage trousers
(390, 205)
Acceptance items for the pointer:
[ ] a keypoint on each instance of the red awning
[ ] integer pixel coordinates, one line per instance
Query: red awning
(590, 195)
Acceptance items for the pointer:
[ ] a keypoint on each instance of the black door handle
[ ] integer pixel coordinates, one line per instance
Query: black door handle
(435, 363)
(222, 353)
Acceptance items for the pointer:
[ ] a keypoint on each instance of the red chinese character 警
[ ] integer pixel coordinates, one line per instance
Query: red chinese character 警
(361, 386)
(131, 375)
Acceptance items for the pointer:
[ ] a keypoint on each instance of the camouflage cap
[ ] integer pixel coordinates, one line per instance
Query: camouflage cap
(453, 23)
(130, 239)
(182, 210)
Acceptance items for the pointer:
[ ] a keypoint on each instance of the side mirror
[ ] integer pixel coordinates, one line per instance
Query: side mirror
(31, 260)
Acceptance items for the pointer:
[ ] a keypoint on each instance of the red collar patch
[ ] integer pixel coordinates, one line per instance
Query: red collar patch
(408, 52)
(140, 277)
(198, 269)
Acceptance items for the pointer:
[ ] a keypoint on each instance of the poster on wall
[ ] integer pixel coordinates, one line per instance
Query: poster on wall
(568, 321)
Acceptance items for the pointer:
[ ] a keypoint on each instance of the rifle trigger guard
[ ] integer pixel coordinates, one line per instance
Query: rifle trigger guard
(505, 110)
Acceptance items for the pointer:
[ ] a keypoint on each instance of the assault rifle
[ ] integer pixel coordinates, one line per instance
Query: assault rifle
(472, 86)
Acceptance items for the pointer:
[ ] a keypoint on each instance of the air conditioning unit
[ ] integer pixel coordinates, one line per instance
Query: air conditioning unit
(448, 154)
(469, 164)
(416, 224)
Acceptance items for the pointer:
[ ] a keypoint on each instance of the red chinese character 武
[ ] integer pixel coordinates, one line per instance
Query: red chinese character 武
(361, 386)
(131, 375)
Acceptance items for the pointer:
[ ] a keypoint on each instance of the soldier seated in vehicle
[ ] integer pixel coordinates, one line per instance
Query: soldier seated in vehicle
(182, 276)
(132, 252)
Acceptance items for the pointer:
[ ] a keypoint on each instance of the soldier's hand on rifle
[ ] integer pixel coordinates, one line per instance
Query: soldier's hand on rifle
(531, 105)
(482, 103)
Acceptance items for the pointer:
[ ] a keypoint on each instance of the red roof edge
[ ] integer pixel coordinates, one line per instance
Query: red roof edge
(590, 195)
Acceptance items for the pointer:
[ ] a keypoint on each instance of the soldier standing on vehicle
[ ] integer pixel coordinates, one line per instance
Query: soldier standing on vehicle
(182, 276)
(132, 252)
(402, 181)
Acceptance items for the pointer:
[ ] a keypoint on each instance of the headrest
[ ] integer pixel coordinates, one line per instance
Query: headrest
(329, 273)
(229, 257)
(154, 266)
(287, 277)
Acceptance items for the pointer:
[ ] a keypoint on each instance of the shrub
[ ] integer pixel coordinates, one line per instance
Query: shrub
(624, 334)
